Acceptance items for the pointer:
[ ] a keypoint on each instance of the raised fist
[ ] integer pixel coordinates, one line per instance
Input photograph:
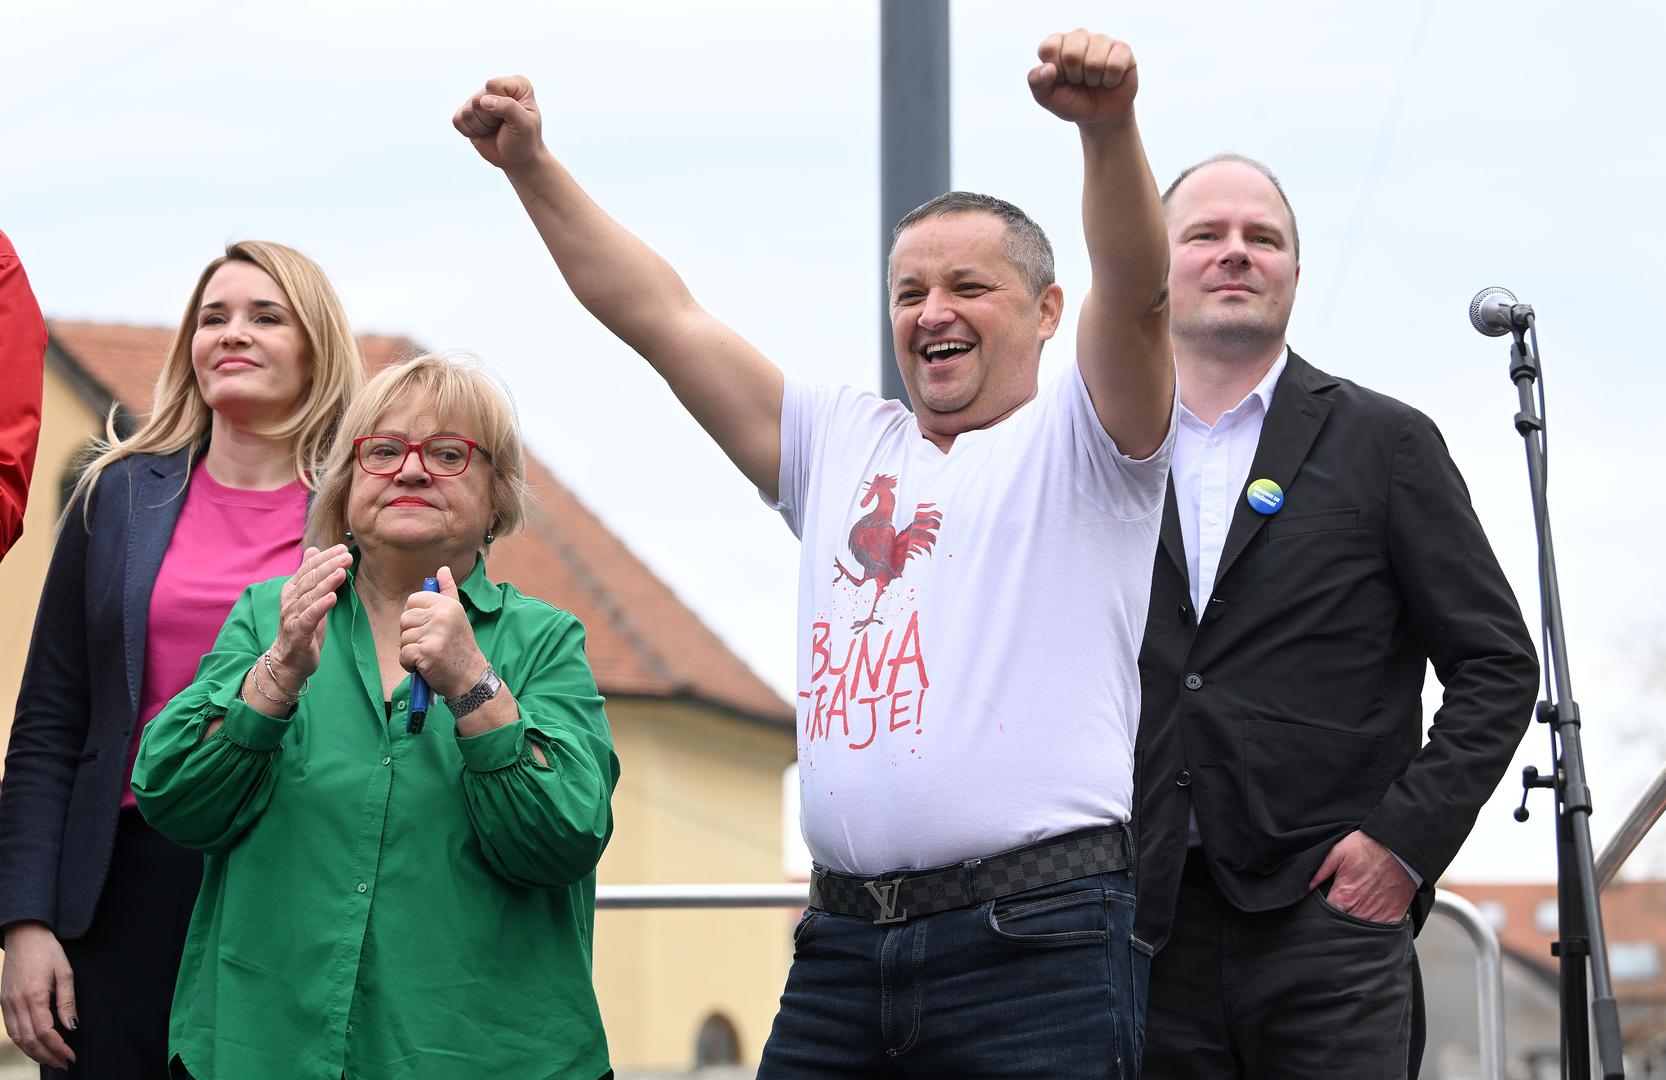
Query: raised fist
(503, 122)
(1085, 78)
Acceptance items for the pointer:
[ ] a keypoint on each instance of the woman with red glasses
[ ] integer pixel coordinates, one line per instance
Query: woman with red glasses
(383, 895)
(164, 530)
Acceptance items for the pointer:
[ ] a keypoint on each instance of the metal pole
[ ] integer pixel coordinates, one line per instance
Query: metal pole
(913, 135)
(1581, 948)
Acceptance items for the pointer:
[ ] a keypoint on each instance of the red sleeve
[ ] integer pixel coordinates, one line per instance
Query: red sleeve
(22, 349)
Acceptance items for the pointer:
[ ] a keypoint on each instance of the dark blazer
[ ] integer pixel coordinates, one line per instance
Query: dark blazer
(79, 700)
(1289, 713)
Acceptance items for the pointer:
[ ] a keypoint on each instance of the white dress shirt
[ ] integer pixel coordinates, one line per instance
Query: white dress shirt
(1211, 467)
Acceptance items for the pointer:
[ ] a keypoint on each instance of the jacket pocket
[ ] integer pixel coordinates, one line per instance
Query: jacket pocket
(1306, 784)
(1339, 520)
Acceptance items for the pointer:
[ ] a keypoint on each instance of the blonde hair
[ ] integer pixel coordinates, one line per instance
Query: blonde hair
(456, 387)
(179, 417)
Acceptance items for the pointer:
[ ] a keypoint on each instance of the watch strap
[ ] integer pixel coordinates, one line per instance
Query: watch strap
(484, 690)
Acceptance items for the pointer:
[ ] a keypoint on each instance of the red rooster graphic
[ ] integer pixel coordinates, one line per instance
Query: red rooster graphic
(880, 548)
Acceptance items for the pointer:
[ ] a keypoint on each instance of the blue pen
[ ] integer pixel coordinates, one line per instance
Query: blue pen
(420, 694)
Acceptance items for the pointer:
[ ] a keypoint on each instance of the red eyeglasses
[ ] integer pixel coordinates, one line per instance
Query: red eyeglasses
(441, 455)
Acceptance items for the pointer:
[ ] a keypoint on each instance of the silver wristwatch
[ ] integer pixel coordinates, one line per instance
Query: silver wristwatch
(480, 693)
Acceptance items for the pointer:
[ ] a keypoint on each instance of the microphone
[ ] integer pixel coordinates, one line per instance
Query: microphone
(420, 694)
(1495, 312)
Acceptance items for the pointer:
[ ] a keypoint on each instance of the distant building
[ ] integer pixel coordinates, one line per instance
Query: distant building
(703, 741)
(1525, 917)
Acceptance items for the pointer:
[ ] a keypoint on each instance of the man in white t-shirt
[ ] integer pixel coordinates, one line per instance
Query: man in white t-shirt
(972, 595)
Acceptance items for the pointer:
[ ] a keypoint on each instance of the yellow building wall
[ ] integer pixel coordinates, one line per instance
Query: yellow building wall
(66, 425)
(699, 801)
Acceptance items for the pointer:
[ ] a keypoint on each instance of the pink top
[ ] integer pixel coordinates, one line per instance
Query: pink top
(226, 540)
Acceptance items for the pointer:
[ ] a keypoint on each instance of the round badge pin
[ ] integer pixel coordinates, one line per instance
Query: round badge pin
(1265, 497)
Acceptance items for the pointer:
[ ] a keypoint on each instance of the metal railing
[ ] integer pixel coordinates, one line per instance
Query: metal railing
(1489, 970)
(642, 897)
(1489, 977)
(1636, 825)
(1489, 961)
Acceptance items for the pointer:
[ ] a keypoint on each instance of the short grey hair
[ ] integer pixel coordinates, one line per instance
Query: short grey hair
(1295, 233)
(1027, 247)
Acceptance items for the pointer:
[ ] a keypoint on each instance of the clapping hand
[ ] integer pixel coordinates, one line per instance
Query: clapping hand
(303, 604)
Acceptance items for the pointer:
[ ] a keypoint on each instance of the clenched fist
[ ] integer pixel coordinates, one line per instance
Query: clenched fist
(435, 639)
(1085, 78)
(503, 122)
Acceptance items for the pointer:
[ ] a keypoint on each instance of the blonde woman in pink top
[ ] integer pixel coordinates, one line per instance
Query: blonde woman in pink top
(162, 533)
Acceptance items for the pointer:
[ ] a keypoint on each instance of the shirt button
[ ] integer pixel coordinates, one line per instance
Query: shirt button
(400, 706)
(387, 761)
(1194, 681)
(1212, 519)
(363, 886)
(1183, 778)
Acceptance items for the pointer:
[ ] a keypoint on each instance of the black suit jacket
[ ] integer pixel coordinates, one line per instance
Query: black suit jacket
(79, 700)
(1289, 711)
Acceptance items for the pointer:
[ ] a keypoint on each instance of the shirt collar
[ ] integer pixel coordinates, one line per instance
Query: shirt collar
(482, 595)
(476, 589)
(1263, 391)
(1264, 388)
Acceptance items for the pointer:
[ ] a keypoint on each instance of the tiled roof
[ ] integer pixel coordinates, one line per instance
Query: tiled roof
(1633, 917)
(643, 641)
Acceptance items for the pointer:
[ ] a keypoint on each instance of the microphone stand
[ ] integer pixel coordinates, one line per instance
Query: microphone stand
(1578, 903)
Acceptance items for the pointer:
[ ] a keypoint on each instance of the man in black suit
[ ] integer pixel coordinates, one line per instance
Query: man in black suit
(1318, 551)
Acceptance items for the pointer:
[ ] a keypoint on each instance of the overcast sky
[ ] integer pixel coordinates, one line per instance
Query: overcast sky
(1429, 149)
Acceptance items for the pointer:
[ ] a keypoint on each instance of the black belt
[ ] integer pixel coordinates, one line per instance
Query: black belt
(906, 894)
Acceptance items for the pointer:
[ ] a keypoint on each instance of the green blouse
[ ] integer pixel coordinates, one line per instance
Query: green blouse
(377, 904)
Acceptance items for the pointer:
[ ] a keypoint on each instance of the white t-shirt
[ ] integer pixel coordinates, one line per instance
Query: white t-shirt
(993, 699)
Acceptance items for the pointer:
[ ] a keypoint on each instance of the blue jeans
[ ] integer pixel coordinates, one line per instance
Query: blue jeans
(1045, 984)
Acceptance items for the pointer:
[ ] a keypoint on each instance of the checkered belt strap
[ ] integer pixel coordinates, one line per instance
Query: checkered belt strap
(907, 894)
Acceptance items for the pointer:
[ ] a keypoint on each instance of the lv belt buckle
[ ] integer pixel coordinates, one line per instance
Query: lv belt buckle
(885, 894)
